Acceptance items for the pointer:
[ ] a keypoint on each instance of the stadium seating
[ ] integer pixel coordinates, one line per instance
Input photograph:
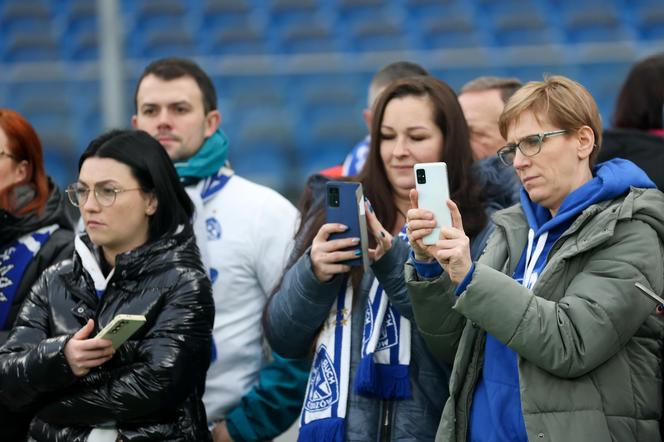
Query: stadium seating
(286, 114)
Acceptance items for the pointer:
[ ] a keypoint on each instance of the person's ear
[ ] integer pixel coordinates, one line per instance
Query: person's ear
(134, 121)
(151, 206)
(21, 172)
(212, 122)
(586, 138)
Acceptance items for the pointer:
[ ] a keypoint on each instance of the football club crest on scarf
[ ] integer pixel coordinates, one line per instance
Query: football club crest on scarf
(323, 385)
(383, 372)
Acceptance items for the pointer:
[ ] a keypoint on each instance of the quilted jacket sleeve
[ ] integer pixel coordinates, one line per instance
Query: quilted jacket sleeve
(298, 309)
(598, 313)
(168, 363)
(31, 362)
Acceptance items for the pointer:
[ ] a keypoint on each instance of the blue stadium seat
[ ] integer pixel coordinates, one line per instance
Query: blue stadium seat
(80, 37)
(454, 29)
(25, 15)
(168, 43)
(594, 24)
(234, 27)
(263, 147)
(521, 28)
(157, 14)
(383, 32)
(24, 46)
(651, 22)
(62, 168)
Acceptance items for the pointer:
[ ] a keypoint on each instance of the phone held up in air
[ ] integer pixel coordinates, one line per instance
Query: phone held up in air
(121, 328)
(649, 293)
(345, 205)
(432, 194)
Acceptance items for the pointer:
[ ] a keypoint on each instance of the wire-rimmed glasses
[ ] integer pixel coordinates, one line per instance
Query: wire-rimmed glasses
(104, 194)
(529, 146)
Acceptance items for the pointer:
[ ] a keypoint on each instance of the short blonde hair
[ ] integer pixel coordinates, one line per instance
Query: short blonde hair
(562, 101)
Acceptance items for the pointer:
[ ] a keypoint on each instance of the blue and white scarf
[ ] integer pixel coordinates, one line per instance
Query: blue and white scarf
(14, 261)
(382, 373)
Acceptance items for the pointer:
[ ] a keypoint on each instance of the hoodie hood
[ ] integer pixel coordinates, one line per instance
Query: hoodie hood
(14, 227)
(611, 179)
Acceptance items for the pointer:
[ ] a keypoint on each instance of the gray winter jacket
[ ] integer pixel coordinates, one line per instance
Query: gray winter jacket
(302, 304)
(589, 346)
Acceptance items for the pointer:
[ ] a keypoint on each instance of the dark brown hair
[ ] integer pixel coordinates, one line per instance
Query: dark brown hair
(641, 97)
(456, 152)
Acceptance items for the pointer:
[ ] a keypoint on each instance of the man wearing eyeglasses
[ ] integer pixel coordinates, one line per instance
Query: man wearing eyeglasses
(549, 337)
(245, 233)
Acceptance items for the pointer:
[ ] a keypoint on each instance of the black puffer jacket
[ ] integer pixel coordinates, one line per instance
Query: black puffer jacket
(151, 390)
(644, 149)
(60, 245)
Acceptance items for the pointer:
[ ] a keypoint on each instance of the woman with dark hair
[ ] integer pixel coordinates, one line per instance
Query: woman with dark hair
(372, 377)
(638, 120)
(138, 256)
(35, 232)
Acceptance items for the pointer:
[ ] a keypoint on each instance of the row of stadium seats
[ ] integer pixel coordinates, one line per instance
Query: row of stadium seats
(43, 30)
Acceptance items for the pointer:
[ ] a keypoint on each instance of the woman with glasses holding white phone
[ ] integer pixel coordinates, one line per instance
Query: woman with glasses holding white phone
(549, 336)
(137, 257)
(35, 232)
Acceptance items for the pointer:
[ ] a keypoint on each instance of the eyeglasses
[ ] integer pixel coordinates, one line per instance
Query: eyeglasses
(104, 194)
(529, 146)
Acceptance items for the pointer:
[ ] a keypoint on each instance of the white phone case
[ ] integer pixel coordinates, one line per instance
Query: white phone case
(121, 328)
(433, 195)
(649, 293)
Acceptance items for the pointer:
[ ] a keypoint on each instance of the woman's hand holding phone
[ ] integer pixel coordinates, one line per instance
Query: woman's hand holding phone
(420, 224)
(452, 250)
(83, 354)
(327, 254)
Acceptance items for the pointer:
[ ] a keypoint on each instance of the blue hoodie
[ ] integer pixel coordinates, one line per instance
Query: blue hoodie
(495, 413)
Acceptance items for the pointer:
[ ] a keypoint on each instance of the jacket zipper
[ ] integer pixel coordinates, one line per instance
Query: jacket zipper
(385, 421)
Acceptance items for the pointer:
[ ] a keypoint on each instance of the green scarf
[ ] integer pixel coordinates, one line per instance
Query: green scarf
(207, 161)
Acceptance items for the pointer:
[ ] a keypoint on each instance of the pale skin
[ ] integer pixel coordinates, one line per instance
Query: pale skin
(326, 256)
(118, 228)
(561, 167)
(409, 136)
(220, 433)
(84, 354)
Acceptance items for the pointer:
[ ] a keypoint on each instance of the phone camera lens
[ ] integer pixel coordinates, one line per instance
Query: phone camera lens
(421, 176)
(333, 197)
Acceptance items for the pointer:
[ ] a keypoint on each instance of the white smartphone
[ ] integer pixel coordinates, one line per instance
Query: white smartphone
(432, 194)
(649, 293)
(121, 328)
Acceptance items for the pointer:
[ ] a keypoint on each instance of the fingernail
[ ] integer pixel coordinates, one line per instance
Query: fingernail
(356, 240)
(382, 234)
(358, 252)
(341, 226)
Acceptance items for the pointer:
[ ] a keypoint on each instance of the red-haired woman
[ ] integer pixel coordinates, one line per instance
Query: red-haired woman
(35, 232)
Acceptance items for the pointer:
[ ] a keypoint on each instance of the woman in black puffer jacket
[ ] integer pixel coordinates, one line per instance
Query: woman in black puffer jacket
(138, 257)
